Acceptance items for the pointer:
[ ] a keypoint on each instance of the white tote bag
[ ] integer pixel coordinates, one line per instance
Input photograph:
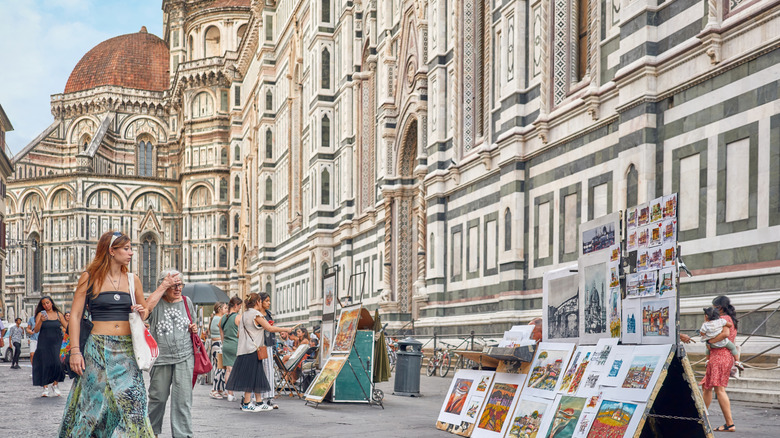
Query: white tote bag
(145, 347)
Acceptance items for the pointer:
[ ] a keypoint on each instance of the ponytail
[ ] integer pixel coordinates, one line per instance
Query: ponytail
(724, 303)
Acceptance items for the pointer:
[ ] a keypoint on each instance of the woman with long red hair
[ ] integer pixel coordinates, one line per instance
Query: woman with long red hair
(108, 398)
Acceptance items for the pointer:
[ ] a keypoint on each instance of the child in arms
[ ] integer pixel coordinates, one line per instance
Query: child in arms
(712, 327)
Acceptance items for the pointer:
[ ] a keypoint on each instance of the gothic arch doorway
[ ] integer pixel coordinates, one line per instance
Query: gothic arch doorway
(407, 225)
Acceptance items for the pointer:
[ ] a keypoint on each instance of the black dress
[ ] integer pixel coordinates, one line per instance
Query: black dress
(46, 366)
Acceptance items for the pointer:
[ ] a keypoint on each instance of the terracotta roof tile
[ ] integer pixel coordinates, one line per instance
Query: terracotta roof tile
(137, 60)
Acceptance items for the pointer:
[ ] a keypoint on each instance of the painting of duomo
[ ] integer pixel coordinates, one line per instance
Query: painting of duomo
(563, 308)
(598, 238)
(640, 372)
(595, 299)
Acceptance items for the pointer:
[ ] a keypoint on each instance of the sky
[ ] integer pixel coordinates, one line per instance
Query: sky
(41, 41)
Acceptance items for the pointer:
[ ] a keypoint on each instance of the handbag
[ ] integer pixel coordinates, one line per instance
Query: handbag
(262, 351)
(202, 362)
(145, 348)
(86, 328)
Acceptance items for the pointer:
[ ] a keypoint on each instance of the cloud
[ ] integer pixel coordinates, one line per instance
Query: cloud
(41, 42)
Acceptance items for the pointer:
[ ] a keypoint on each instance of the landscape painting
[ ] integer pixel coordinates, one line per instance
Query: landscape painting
(547, 369)
(613, 419)
(319, 388)
(345, 333)
(640, 372)
(527, 419)
(655, 318)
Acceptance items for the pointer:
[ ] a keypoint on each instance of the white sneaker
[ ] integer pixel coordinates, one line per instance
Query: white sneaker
(251, 407)
(56, 390)
(45, 392)
(231, 398)
(262, 407)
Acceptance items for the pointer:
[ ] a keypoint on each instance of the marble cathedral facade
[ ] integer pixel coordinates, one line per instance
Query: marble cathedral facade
(441, 153)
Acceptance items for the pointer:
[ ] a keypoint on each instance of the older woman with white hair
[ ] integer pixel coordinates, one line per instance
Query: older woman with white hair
(171, 374)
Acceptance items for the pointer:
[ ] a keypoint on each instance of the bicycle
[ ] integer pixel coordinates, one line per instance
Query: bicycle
(440, 360)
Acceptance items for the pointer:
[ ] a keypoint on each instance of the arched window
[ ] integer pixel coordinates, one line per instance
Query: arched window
(222, 257)
(235, 224)
(235, 254)
(223, 231)
(507, 230)
(223, 156)
(269, 101)
(223, 189)
(325, 131)
(241, 32)
(326, 11)
(149, 262)
(632, 186)
(237, 187)
(325, 68)
(269, 189)
(269, 230)
(268, 288)
(583, 30)
(237, 153)
(211, 42)
(190, 45)
(145, 158)
(269, 144)
(325, 181)
(202, 105)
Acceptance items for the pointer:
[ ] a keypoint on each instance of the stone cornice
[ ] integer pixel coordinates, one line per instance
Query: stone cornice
(108, 98)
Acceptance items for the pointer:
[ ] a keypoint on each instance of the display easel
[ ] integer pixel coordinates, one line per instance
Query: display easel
(362, 370)
(676, 406)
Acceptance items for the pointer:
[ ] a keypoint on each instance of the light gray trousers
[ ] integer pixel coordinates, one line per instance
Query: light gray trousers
(175, 381)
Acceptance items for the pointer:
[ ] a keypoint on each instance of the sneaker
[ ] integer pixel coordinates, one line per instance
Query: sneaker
(739, 365)
(231, 398)
(249, 407)
(262, 407)
(215, 395)
(272, 403)
(45, 392)
(56, 391)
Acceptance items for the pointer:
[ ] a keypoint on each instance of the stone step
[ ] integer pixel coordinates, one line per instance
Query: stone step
(754, 396)
(756, 373)
(749, 383)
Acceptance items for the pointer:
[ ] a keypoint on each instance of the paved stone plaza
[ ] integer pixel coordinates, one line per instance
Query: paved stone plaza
(26, 414)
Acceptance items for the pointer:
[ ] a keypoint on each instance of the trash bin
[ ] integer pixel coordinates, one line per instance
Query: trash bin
(407, 368)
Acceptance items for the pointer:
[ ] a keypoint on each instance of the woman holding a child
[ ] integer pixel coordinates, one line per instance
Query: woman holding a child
(720, 363)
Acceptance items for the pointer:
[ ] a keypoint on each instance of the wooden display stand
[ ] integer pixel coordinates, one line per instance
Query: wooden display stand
(676, 406)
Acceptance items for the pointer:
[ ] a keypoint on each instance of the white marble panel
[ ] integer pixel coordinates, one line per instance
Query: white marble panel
(737, 180)
(688, 211)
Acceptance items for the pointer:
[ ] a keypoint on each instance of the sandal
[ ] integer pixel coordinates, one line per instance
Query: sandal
(726, 428)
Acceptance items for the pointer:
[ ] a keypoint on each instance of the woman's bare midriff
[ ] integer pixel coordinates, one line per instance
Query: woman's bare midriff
(111, 328)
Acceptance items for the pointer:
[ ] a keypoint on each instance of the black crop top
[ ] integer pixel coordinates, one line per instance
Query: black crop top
(110, 306)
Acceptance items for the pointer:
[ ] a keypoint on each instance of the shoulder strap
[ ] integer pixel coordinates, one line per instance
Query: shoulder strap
(225, 319)
(131, 286)
(187, 308)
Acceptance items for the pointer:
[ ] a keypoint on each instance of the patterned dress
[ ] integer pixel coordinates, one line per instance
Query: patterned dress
(109, 399)
(721, 361)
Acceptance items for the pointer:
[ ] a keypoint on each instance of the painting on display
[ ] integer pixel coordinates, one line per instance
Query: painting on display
(587, 416)
(567, 414)
(547, 369)
(326, 339)
(576, 369)
(632, 320)
(670, 206)
(643, 217)
(638, 379)
(593, 298)
(329, 294)
(658, 320)
(347, 328)
(529, 417)
(602, 353)
(501, 400)
(656, 210)
(667, 282)
(621, 358)
(321, 385)
(616, 419)
(560, 299)
(600, 234)
(464, 400)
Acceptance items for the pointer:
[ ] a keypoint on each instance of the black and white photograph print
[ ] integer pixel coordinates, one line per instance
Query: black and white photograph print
(561, 303)
(595, 303)
(596, 239)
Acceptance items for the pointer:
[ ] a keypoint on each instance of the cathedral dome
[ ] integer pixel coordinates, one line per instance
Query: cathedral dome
(136, 60)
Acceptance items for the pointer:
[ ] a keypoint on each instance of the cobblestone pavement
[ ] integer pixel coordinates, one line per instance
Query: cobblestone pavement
(26, 414)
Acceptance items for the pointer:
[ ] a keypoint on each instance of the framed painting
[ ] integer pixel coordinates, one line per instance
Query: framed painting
(500, 402)
(329, 293)
(463, 401)
(326, 339)
(529, 417)
(621, 357)
(547, 368)
(576, 369)
(616, 419)
(639, 378)
(632, 321)
(600, 234)
(594, 293)
(321, 385)
(659, 320)
(560, 301)
(345, 332)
